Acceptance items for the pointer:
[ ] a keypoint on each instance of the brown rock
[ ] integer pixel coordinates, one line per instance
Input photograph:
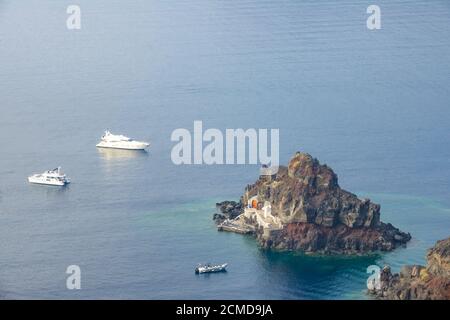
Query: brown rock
(418, 282)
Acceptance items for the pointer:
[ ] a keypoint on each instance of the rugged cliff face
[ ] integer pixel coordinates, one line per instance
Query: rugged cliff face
(418, 282)
(317, 215)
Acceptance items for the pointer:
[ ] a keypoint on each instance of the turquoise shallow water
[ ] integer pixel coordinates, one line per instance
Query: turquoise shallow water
(284, 275)
(372, 105)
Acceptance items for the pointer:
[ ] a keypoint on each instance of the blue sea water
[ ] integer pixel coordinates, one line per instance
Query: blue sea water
(374, 105)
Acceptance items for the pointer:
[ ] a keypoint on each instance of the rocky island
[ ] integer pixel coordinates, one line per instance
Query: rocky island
(301, 207)
(430, 282)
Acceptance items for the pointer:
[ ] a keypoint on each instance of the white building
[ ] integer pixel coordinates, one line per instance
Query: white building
(261, 214)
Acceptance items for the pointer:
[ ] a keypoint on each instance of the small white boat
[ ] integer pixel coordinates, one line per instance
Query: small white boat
(113, 141)
(206, 268)
(53, 177)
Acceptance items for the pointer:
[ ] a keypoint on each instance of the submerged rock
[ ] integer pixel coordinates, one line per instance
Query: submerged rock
(316, 215)
(431, 282)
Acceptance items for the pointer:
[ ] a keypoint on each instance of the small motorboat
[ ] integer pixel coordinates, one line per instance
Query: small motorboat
(208, 268)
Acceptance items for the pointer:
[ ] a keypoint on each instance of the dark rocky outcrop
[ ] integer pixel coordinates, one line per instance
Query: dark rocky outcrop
(316, 214)
(431, 282)
(340, 239)
(227, 210)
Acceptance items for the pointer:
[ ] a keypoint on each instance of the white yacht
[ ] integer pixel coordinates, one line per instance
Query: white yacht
(53, 177)
(110, 140)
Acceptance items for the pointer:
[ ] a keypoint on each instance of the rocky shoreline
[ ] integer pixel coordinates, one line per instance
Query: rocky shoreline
(302, 207)
(430, 282)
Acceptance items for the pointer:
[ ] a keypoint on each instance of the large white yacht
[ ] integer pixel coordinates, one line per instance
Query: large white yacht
(53, 177)
(110, 140)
